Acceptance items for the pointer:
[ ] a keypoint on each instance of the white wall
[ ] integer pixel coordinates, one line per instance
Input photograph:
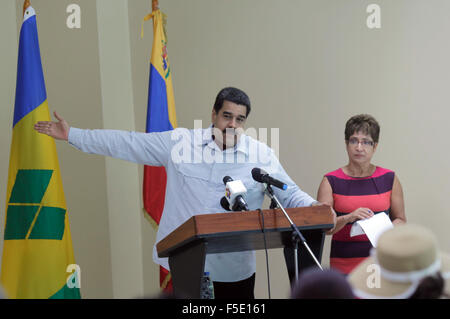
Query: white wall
(122, 178)
(310, 65)
(307, 66)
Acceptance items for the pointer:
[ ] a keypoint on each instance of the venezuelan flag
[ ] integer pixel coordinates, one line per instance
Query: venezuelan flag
(161, 117)
(37, 252)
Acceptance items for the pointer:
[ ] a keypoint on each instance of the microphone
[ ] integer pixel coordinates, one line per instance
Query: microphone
(224, 203)
(234, 191)
(227, 179)
(262, 176)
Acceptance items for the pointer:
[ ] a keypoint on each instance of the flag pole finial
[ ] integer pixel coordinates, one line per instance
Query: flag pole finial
(26, 4)
(155, 5)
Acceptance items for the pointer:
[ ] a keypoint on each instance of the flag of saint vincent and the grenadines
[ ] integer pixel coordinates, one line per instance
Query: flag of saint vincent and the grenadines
(37, 247)
(161, 117)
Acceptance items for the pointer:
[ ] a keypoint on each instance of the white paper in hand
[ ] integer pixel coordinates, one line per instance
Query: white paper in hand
(373, 227)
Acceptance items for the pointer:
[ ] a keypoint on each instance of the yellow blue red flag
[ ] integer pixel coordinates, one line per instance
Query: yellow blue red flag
(161, 117)
(38, 259)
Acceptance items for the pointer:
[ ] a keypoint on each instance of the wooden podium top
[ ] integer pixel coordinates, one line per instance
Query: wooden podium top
(239, 231)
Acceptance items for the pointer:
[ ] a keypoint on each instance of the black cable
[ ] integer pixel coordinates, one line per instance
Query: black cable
(265, 248)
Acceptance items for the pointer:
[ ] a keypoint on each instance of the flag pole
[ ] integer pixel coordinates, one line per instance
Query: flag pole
(155, 7)
(26, 4)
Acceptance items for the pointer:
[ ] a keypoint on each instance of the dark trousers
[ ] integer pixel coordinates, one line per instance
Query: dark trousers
(243, 289)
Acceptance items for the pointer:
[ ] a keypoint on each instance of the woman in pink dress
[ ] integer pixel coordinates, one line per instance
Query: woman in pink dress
(357, 191)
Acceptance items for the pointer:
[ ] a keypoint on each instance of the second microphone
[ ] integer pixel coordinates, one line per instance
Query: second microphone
(234, 191)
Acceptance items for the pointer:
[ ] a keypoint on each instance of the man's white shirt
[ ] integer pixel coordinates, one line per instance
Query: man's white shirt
(195, 168)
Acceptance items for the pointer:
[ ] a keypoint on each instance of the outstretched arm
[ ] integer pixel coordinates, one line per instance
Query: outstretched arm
(143, 148)
(58, 130)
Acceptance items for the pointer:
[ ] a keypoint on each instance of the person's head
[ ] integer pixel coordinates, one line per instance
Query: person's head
(361, 138)
(316, 284)
(405, 265)
(229, 114)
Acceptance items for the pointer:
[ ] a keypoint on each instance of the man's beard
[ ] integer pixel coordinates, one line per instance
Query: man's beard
(228, 140)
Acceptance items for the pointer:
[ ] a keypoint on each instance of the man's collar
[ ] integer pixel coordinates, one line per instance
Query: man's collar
(207, 139)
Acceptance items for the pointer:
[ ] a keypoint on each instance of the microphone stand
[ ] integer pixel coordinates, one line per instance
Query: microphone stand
(297, 235)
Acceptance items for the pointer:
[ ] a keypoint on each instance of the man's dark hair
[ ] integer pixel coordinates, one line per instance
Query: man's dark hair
(233, 95)
(317, 284)
(363, 123)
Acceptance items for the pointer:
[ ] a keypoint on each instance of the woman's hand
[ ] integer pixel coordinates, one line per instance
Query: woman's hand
(360, 213)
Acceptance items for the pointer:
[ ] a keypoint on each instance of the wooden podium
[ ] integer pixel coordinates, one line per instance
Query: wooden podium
(188, 245)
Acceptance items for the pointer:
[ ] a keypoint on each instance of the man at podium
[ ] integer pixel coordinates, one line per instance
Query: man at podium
(196, 162)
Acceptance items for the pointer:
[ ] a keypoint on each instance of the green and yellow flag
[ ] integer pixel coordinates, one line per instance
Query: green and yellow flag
(37, 254)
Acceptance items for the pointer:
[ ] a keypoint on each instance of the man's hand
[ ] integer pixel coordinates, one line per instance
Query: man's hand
(58, 130)
(316, 203)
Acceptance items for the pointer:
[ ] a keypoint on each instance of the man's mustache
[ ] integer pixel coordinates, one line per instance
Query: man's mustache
(229, 131)
(232, 131)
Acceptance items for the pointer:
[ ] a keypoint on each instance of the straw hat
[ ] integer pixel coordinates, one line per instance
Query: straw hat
(404, 256)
